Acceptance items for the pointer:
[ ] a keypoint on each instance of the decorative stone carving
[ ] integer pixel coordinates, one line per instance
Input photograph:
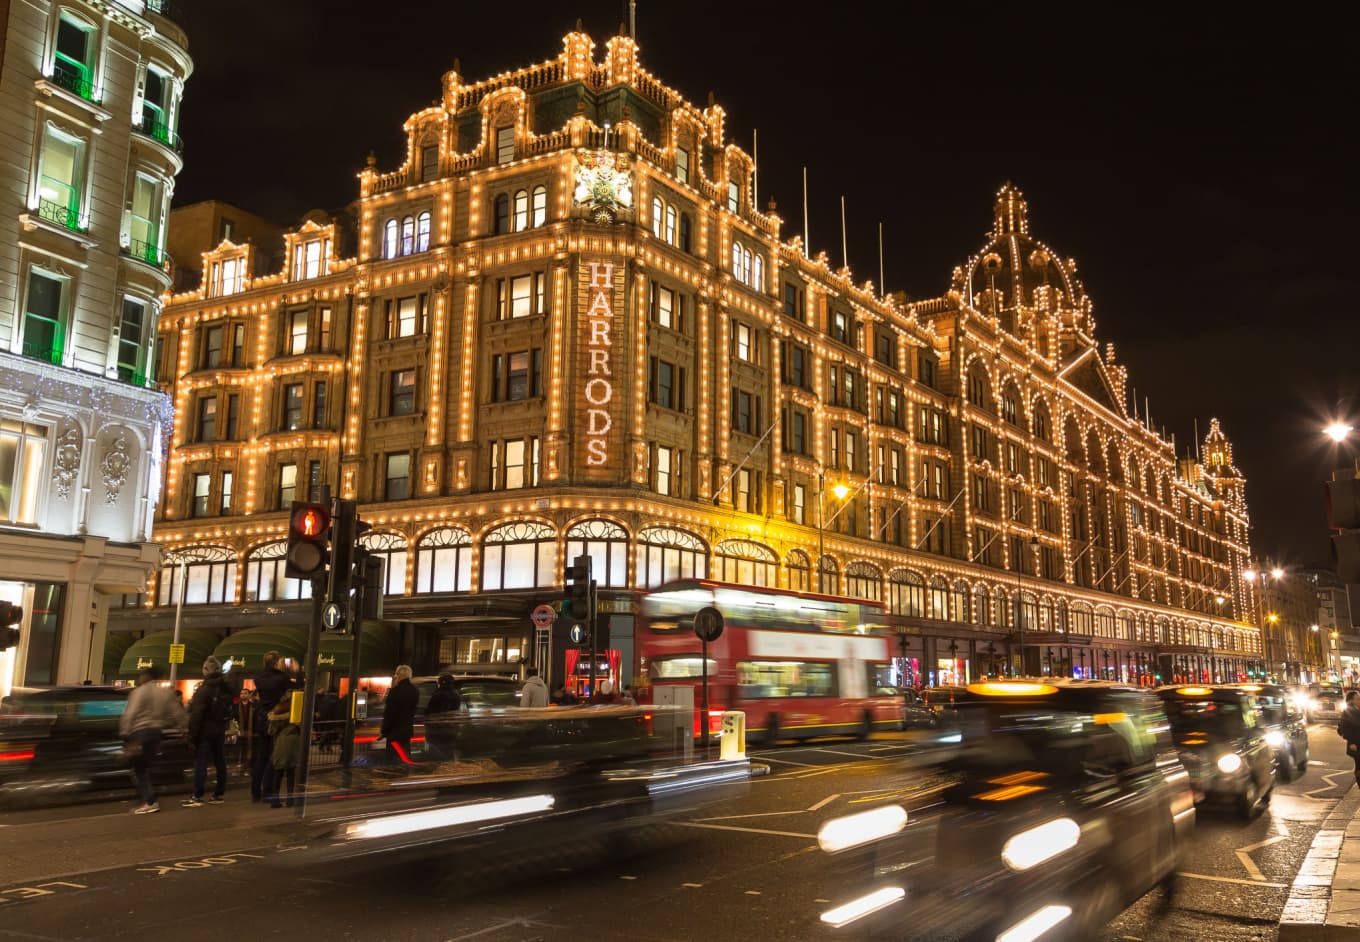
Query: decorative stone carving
(115, 465)
(66, 462)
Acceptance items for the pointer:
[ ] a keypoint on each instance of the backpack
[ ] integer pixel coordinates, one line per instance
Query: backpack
(222, 708)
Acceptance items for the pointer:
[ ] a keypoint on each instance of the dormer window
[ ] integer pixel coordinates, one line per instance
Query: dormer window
(311, 258)
(429, 162)
(733, 197)
(505, 144)
(227, 276)
(411, 234)
(748, 267)
(682, 165)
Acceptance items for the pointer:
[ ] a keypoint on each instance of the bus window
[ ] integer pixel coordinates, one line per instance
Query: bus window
(680, 667)
(882, 679)
(768, 679)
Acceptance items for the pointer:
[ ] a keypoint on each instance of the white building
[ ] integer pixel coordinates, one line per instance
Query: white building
(89, 102)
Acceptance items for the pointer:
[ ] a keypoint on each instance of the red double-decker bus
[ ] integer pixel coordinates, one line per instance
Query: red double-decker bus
(799, 665)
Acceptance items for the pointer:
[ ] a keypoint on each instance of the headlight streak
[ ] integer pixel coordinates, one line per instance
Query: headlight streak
(840, 834)
(1229, 763)
(1035, 924)
(1043, 842)
(847, 913)
(1275, 738)
(446, 817)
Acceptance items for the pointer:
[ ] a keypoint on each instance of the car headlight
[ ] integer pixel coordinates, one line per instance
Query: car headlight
(1042, 842)
(1229, 762)
(840, 834)
(1275, 738)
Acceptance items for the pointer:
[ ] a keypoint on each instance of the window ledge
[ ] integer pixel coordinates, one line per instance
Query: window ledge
(51, 89)
(32, 221)
(411, 418)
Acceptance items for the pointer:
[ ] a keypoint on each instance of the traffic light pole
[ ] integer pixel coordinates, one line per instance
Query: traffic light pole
(355, 617)
(309, 691)
(590, 625)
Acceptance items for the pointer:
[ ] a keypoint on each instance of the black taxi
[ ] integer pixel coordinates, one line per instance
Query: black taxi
(1285, 728)
(1057, 805)
(1222, 744)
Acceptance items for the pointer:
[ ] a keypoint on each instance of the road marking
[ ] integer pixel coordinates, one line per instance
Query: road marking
(21, 893)
(1243, 853)
(203, 863)
(824, 802)
(1326, 788)
(753, 892)
(627, 878)
(1237, 880)
(692, 886)
(804, 765)
(733, 827)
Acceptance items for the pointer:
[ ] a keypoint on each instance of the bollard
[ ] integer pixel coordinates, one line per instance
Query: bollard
(733, 735)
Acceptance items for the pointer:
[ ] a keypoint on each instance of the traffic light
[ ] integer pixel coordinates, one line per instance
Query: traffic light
(345, 531)
(578, 590)
(309, 530)
(1343, 516)
(10, 616)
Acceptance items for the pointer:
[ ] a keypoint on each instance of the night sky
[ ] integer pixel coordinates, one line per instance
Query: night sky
(1198, 165)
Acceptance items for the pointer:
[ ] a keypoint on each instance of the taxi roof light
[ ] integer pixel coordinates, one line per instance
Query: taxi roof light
(1011, 688)
(1194, 691)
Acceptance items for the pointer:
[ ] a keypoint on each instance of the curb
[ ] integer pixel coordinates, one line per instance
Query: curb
(1307, 910)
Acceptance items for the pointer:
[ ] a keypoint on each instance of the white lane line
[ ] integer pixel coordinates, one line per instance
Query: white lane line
(1205, 876)
(1330, 786)
(805, 765)
(824, 802)
(1243, 853)
(841, 752)
(732, 827)
(692, 886)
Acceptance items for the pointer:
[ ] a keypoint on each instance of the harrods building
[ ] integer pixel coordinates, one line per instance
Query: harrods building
(562, 326)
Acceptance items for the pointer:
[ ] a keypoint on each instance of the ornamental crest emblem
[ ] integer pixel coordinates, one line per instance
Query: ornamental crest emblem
(604, 184)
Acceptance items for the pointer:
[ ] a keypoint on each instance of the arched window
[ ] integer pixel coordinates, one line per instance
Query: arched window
(501, 212)
(1001, 608)
(906, 594)
(265, 580)
(1127, 626)
(540, 206)
(670, 224)
(800, 571)
(1082, 619)
(1161, 629)
(828, 576)
(389, 239)
(745, 563)
(209, 576)
(736, 261)
(979, 392)
(391, 549)
(1104, 622)
(1042, 422)
(519, 556)
(606, 543)
(1029, 610)
(685, 233)
(746, 267)
(939, 598)
(423, 232)
(982, 606)
(444, 561)
(665, 555)
(758, 273)
(521, 210)
(959, 602)
(658, 218)
(863, 581)
(408, 235)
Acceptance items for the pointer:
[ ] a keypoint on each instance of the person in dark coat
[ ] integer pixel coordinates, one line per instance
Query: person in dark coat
(439, 731)
(211, 710)
(399, 716)
(270, 686)
(287, 753)
(1348, 727)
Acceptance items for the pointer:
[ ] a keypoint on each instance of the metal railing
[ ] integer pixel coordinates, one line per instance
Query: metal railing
(148, 252)
(71, 80)
(167, 9)
(159, 131)
(68, 217)
(36, 350)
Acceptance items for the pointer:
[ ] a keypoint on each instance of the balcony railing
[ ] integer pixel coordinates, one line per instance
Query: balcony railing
(167, 9)
(71, 80)
(37, 350)
(66, 216)
(147, 252)
(158, 130)
(136, 378)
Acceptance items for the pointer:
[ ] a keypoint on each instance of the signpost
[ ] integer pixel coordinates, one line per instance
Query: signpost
(543, 616)
(332, 616)
(578, 634)
(176, 654)
(708, 625)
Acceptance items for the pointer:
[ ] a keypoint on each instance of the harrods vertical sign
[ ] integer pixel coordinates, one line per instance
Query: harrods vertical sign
(599, 385)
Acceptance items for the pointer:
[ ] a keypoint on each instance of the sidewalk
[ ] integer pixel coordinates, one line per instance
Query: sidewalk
(1324, 900)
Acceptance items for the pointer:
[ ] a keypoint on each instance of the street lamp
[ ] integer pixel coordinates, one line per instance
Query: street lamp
(840, 491)
(1338, 431)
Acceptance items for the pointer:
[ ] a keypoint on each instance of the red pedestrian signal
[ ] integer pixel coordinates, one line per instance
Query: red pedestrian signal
(309, 530)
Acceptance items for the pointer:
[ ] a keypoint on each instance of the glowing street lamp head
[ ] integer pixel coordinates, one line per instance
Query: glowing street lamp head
(1277, 573)
(840, 490)
(1338, 431)
(1249, 575)
(1272, 618)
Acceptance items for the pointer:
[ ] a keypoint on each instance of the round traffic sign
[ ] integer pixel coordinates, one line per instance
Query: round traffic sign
(543, 616)
(708, 624)
(332, 615)
(578, 634)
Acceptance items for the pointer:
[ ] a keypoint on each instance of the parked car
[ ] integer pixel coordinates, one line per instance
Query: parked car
(1286, 732)
(1222, 745)
(1062, 803)
(56, 741)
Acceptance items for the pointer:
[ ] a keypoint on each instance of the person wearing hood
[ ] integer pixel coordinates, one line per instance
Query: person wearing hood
(270, 686)
(1348, 728)
(211, 711)
(440, 730)
(535, 691)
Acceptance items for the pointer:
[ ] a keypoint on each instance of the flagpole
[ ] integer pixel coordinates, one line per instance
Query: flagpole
(882, 286)
(845, 262)
(806, 251)
(755, 169)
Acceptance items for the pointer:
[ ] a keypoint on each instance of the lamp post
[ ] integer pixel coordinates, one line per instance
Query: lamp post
(840, 492)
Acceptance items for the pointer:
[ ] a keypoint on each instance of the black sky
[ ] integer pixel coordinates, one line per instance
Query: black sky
(1198, 165)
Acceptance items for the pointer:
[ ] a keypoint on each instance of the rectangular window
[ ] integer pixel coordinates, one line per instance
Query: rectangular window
(505, 144)
(733, 197)
(45, 317)
(429, 162)
(927, 365)
(682, 164)
(520, 296)
(840, 326)
(323, 339)
(287, 485)
(1012, 457)
(308, 259)
(319, 405)
(793, 302)
(212, 347)
(238, 345)
(743, 345)
(664, 470)
(144, 225)
(132, 342)
(1046, 516)
(978, 438)
(296, 341)
(404, 317)
(1016, 499)
(664, 309)
(885, 348)
(224, 504)
(74, 58)
(61, 178)
(397, 479)
(207, 419)
(835, 439)
(894, 467)
(851, 450)
(744, 409)
(402, 392)
(44, 634)
(795, 434)
(744, 496)
(22, 447)
(980, 495)
(227, 276)
(517, 376)
(663, 384)
(1043, 471)
(798, 504)
(514, 464)
(292, 406)
(233, 414)
(202, 485)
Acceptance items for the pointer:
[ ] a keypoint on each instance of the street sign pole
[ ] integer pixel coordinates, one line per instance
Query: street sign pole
(708, 625)
(590, 626)
(309, 665)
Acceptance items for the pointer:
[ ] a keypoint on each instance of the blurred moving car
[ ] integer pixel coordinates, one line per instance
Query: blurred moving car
(1222, 745)
(62, 740)
(940, 701)
(1284, 728)
(1063, 802)
(480, 693)
(1327, 702)
(916, 711)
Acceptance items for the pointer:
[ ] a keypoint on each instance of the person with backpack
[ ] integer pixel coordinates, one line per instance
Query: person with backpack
(287, 752)
(211, 711)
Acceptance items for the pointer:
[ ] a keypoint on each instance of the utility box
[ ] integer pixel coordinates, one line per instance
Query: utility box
(673, 718)
(733, 741)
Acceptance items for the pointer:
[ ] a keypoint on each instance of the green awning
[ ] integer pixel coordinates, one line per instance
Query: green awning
(154, 649)
(378, 652)
(116, 644)
(247, 648)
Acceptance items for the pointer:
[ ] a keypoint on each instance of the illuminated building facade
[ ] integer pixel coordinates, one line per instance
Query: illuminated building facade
(89, 103)
(568, 328)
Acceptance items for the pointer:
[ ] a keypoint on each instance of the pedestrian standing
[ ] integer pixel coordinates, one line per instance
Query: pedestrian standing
(286, 753)
(440, 730)
(399, 717)
(1348, 727)
(270, 686)
(151, 709)
(211, 711)
(535, 692)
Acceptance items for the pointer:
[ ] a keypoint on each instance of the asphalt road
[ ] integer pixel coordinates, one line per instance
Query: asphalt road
(745, 869)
